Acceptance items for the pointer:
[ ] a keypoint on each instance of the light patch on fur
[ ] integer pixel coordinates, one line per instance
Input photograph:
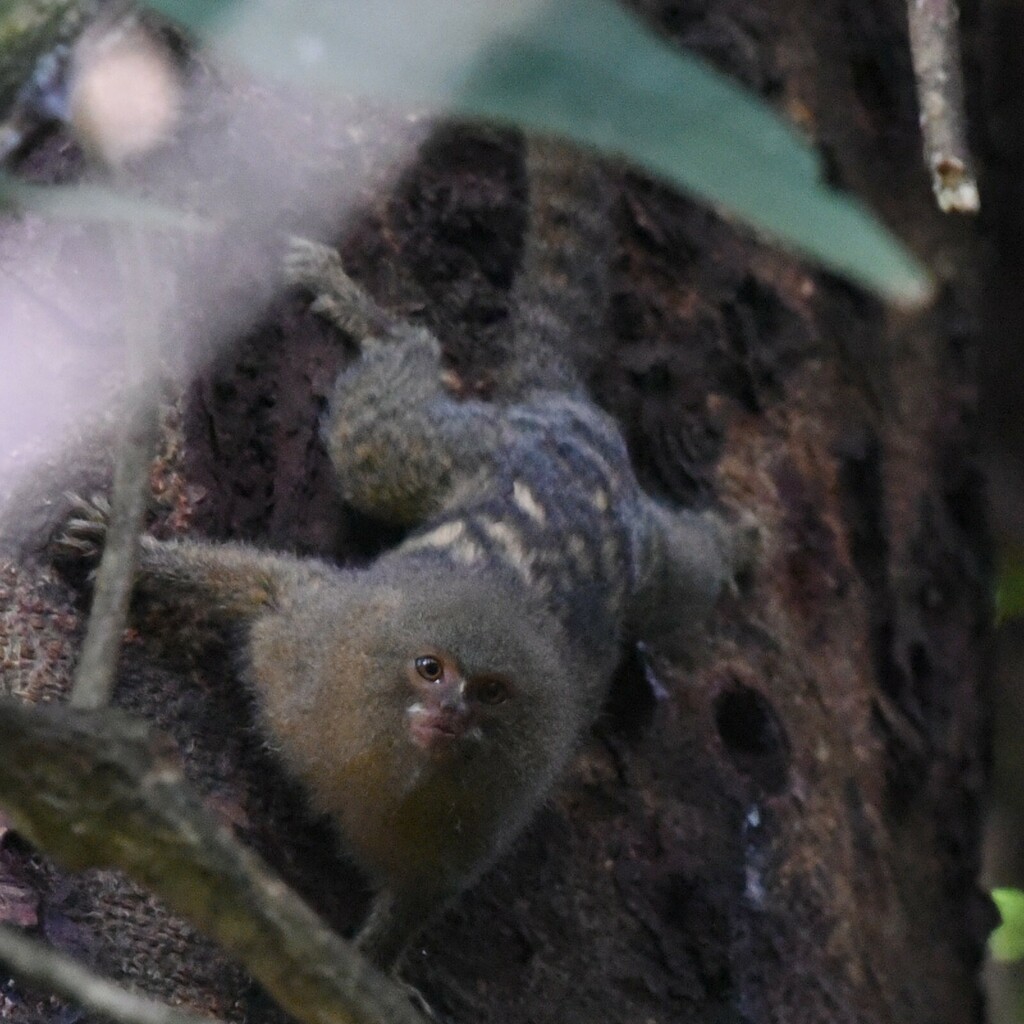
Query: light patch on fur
(466, 551)
(600, 499)
(442, 536)
(610, 556)
(580, 555)
(611, 559)
(524, 498)
(506, 537)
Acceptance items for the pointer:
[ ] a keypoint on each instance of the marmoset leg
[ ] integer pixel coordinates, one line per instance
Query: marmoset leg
(393, 921)
(399, 440)
(226, 583)
(687, 559)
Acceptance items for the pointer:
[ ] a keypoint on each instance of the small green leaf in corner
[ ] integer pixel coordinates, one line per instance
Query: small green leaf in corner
(1007, 941)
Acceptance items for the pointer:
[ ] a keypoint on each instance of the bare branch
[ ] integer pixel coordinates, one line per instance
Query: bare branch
(39, 965)
(97, 665)
(96, 788)
(125, 97)
(935, 48)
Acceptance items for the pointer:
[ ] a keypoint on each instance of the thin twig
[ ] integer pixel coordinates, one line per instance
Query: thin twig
(99, 789)
(935, 49)
(39, 965)
(97, 665)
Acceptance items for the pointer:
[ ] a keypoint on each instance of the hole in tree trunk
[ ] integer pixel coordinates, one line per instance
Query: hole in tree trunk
(753, 736)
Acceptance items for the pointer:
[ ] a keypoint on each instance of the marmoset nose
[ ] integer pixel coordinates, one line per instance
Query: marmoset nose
(453, 700)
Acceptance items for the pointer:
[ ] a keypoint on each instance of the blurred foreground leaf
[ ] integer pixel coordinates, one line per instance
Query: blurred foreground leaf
(586, 69)
(1007, 941)
(93, 203)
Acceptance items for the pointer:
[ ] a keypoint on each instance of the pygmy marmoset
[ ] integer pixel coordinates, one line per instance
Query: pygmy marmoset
(429, 701)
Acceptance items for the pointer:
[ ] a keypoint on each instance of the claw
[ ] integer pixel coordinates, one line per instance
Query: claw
(337, 298)
(74, 544)
(419, 1002)
(86, 528)
(96, 508)
(309, 263)
(82, 535)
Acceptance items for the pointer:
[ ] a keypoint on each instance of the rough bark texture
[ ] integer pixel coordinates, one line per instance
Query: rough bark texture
(789, 832)
(1000, 85)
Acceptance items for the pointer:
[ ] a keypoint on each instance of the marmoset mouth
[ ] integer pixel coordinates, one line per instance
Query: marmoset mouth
(434, 731)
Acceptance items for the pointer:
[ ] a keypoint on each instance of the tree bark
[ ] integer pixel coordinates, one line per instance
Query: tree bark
(790, 831)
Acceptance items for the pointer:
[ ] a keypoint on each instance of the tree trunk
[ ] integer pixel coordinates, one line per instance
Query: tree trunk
(790, 831)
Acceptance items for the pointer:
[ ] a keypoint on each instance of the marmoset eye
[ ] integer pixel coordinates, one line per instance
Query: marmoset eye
(491, 691)
(430, 668)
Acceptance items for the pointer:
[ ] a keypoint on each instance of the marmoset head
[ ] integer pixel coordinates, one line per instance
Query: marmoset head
(475, 668)
(426, 669)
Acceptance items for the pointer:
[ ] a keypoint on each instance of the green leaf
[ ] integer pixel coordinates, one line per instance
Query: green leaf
(1010, 587)
(589, 70)
(1007, 941)
(586, 68)
(201, 15)
(93, 203)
